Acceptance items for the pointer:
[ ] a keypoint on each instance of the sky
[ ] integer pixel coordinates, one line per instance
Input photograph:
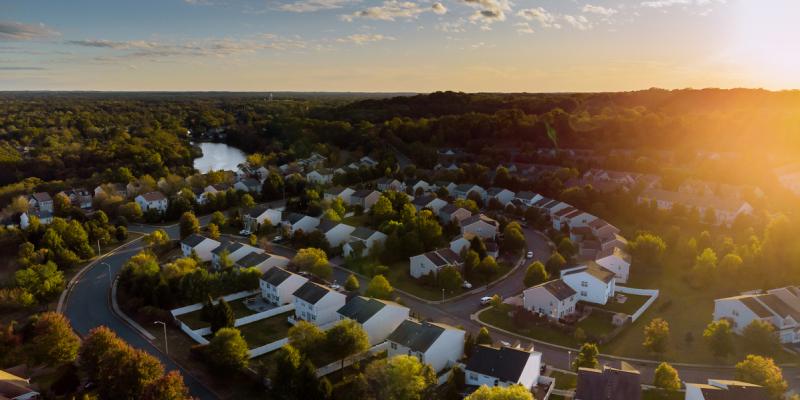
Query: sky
(398, 45)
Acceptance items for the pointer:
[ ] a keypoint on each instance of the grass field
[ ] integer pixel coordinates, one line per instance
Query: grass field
(193, 320)
(266, 330)
(631, 304)
(565, 381)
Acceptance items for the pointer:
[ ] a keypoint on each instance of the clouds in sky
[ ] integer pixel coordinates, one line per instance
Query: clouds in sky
(314, 5)
(361, 39)
(13, 31)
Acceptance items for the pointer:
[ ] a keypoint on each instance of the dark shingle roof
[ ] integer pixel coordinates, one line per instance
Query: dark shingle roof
(293, 218)
(252, 259)
(362, 193)
(153, 196)
(193, 240)
(311, 292)
(42, 196)
(326, 225)
(275, 276)
(257, 210)
(362, 233)
(780, 307)
(230, 246)
(417, 336)
(423, 201)
(361, 309)
(505, 364)
(594, 270)
(559, 289)
(526, 195)
(609, 384)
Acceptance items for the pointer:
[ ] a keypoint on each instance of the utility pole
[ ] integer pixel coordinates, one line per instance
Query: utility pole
(166, 345)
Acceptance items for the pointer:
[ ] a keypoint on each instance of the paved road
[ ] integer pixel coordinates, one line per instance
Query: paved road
(88, 307)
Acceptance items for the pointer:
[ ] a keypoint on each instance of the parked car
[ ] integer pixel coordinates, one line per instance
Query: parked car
(529, 255)
(504, 343)
(486, 300)
(277, 239)
(466, 285)
(244, 232)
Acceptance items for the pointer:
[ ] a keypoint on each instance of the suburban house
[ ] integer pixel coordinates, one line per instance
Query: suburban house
(45, 218)
(336, 232)
(555, 299)
(528, 198)
(463, 191)
(320, 176)
(379, 318)
(608, 383)
(436, 344)
(385, 184)
(780, 307)
(13, 387)
(504, 196)
(429, 201)
(111, 189)
(262, 261)
(364, 198)
(553, 207)
(480, 225)
(236, 251)
(593, 283)
(504, 367)
(578, 219)
(152, 201)
(418, 184)
(580, 233)
(560, 217)
(450, 213)
(262, 173)
(461, 242)
(601, 228)
(588, 249)
(80, 198)
(41, 201)
(340, 192)
(212, 190)
(249, 185)
(201, 245)
(722, 389)
(448, 186)
(617, 261)
(609, 242)
(446, 167)
(278, 286)
(317, 304)
(362, 241)
(367, 161)
(492, 248)
(722, 210)
(258, 215)
(433, 261)
(294, 222)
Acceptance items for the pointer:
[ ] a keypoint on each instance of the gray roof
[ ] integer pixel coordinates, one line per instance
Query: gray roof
(362, 233)
(608, 384)
(526, 195)
(230, 246)
(443, 257)
(311, 292)
(361, 309)
(42, 196)
(594, 270)
(505, 364)
(362, 193)
(252, 259)
(780, 307)
(258, 210)
(326, 225)
(559, 289)
(336, 190)
(293, 218)
(417, 336)
(276, 276)
(479, 217)
(193, 240)
(423, 201)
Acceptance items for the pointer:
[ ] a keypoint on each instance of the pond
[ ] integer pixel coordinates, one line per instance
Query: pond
(218, 156)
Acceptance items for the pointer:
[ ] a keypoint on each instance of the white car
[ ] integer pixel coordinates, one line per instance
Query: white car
(486, 300)
(529, 255)
(466, 285)
(244, 232)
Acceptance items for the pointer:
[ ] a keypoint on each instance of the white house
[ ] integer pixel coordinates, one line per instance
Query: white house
(364, 198)
(593, 283)
(262, 261)
(780, 307)
(379, 318)
(432, 343)
(463, 191)
(45, 218)
(722, 389)
(578, 219)
(41, 201)
(554, 299)
(433, 261)
(320, 176)
(111, 189)
(278, 286)
(553, 207)
(294, 222)
(336, 232)
(560, 217)
(480, 225)
(343, 193)
(201, 245)
(503, 367)
(601, 228)
(80, 197)
(385, 184)
(461, 242)
(528, 198)
(367, 161)
(261, 214)
(362, 241)
(504, 196)
(248, 185)
(617, 261)
(152, 201)
(430, 201)
(418, 184)
(236, 251)
(450, 213)
(448, 186)
(317, 304)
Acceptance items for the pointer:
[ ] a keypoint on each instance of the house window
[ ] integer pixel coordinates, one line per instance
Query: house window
(583, 293)
(735, 313)
(584, 284)
(473, 376)
(394, 346)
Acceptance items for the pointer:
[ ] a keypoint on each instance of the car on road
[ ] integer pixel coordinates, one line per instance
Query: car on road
(486, 300)
(529, 254)
(466, 285)
(504, 343)
(244, 232)
(277, 239)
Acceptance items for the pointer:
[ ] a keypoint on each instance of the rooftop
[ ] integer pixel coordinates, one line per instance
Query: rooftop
(417, 336)
(505, 363)
(311, 292)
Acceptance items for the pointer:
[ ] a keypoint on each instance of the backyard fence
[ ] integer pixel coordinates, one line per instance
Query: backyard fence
(652, 293)
(269, 347)
(198, 306)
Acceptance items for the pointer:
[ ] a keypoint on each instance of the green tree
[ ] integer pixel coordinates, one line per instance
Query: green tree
(483, 337)
(351, 284)
(168, 387)
(666, 378)
(294, 377)
(555, 263)
(247, 201)
(761, 337)
(719, 336)
(567, 248)
(218, 218)
(762, 371)
(330, 214)
(382, 210)
(273, 187)
(126, 372)
(587, 357)
(731, 264)
(656, 336)
(513, 392)
(213, 231)
(704, 266)
(345, 339)
(471, 261)
(313, 260)
(647, 249)
(400, 378)
(228, 350)
(306, 337)
(449, 278)
(379, 288)
(53, 342)
(189, 224)
(513, 238)
(222, 316)
(535, 274)
(157, 238)
(131, 211)
(43, 281)
(487, 268)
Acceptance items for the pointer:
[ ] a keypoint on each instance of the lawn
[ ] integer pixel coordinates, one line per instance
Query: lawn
(597, 323)
(565, 381)
(193, 320)
(266, 330)
(631, 304)
(654, 394)
(356, 220)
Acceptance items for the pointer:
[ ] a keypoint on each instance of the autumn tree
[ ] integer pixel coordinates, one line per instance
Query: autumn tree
(313, 260)
(379, 288)
(666, 378)
(587, 357)
(52, 341)
(189, 224)
(228, 350)
(535, 274)
(656, 336)
(513, 392)
(719, 336)
(762, 371)
(400, 378)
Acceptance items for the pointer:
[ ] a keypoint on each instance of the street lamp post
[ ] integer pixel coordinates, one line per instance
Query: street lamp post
(442, 295)
(108, 267)
(166, 345)
(569, 359)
